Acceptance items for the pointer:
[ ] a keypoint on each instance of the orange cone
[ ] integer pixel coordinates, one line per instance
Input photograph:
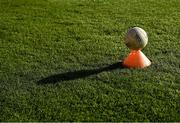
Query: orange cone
(136, 59)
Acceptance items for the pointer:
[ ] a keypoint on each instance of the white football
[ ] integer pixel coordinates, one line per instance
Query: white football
(136, 38)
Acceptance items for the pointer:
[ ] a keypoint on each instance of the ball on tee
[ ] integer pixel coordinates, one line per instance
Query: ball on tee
(136, 38)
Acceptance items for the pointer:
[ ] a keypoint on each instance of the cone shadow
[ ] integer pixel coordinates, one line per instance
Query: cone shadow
(78, 74)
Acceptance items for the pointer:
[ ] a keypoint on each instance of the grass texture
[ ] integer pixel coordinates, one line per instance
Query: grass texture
(60, 61)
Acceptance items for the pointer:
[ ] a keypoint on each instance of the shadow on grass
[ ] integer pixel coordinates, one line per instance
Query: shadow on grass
(78, 74)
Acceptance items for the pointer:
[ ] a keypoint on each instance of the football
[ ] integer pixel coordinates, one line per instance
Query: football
(136, 38)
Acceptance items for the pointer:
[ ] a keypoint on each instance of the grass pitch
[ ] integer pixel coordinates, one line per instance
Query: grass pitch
(59, 61)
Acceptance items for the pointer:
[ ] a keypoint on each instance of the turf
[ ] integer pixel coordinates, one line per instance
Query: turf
(60, 61)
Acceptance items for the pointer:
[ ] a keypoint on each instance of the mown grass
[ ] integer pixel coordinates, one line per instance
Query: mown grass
(69, 43)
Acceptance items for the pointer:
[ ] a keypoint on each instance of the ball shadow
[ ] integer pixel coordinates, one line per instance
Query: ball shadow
(78, 74)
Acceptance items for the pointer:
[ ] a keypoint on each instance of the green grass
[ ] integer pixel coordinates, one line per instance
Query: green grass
(71, 39)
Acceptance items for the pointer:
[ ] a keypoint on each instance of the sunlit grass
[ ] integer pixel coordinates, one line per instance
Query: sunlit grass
(73, 42)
